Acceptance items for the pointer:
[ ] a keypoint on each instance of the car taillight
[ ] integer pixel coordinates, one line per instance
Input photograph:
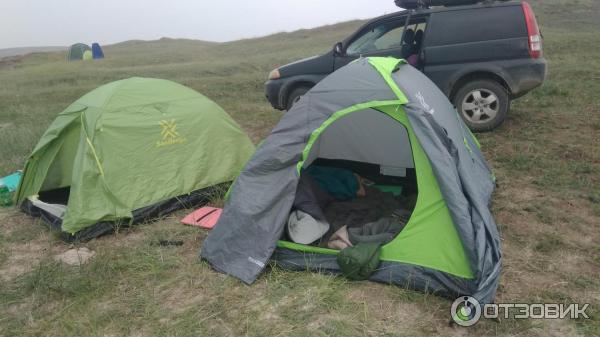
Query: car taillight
(533, 32)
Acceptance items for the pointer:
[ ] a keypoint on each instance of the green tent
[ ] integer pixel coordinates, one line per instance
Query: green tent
(128, 151)
(78, 52)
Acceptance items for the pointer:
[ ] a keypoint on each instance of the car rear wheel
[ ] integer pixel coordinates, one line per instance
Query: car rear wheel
(483, 104)
(295, 96)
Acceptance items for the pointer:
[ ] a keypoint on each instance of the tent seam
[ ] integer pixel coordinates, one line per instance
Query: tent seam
(388, 79)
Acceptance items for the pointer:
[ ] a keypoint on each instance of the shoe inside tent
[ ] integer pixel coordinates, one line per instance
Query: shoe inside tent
(130, 151)
(388, 125)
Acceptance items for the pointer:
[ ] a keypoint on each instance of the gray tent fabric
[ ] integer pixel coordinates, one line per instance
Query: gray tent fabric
(254, 216)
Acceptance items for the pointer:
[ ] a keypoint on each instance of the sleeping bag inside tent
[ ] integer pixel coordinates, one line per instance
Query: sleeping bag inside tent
(130, 151)
(372, 174)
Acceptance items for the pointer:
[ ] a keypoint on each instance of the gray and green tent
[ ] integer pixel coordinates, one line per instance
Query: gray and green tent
(384, 112)
(130, 151)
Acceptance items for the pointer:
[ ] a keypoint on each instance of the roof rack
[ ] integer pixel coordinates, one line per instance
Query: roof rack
(418, 4)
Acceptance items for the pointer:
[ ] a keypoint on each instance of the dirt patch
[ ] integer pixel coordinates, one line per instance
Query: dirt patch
(557, 328)
(179, 297)
(10, 62)
(11, 219)
(325, 320)
(403, 314)
(142, 333)
(25, 243)
(128, 237)
(22, 258)
(18, 308)
(6, 125)
(191, 247)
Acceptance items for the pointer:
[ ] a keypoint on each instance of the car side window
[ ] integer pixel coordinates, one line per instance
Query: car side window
(456, 27)
(386, 35)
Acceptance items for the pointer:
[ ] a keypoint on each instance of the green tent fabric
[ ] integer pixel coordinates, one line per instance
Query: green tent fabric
(87, 55)
(129, 145)
(78, 52)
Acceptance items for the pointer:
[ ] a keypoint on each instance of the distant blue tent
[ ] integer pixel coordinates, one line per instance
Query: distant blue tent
(97, 51)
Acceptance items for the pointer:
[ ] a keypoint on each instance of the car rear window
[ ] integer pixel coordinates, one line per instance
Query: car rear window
(478, 24)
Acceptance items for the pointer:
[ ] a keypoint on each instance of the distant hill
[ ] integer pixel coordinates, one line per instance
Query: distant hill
(28, 50)
(161, 40)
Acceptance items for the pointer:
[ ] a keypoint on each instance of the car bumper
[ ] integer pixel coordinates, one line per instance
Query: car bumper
(528, 76)
(272, 93)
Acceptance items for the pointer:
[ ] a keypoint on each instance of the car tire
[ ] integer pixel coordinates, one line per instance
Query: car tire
(295, 96)
(482, 104)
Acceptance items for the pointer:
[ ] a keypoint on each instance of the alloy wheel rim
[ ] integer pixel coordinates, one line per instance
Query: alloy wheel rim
(480, 106)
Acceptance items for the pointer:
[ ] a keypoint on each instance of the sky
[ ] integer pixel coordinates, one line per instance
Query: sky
(25, 23)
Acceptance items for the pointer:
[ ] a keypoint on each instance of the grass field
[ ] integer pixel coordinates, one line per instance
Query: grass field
(546, 157)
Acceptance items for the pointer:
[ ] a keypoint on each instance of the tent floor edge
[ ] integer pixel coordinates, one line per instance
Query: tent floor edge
(403, 275)
(155, 211)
